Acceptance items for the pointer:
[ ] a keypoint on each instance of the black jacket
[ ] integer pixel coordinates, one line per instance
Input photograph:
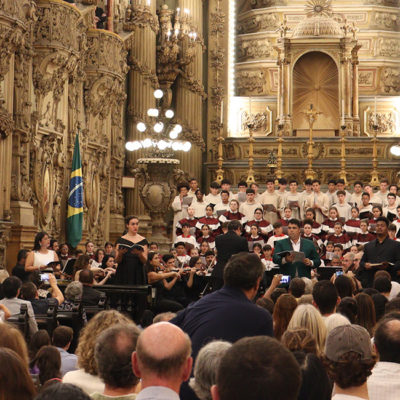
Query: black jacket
(227, 245)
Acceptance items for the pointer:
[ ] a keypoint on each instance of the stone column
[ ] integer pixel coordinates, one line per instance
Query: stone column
(142, 82)
(189, 103)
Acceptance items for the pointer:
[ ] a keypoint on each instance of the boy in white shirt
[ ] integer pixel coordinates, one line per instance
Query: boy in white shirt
(344, 209)
(250, 205)
(213, 197)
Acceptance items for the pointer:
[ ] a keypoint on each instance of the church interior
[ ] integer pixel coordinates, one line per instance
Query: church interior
(160, 91)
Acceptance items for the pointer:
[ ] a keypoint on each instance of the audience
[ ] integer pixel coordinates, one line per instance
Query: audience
(257, 368)
(113, 354)
(349, 360)
(62, 391)
(62, 338)
(161, 368)
(206, 367)
(283, 311)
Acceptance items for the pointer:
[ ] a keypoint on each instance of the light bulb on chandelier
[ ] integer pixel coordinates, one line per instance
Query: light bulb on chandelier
(141, 127)
(158, 127)
(152, 112)
(158, 94)
(169, 114)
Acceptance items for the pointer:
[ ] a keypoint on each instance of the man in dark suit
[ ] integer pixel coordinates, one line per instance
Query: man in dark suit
(227, 245)
(229, 313)
(287, 264)
(381, 253)
(90, 296)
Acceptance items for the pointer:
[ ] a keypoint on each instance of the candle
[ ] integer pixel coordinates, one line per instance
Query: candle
(375, 110)
(178, 11)
(222, 112)
(148, 3)
(168, 34)
(343, 108)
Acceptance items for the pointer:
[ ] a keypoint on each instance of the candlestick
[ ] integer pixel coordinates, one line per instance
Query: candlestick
(222, 112)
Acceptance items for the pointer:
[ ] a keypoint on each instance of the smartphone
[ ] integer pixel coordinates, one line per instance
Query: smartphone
(338, 273)
(44, 277)
(285, 279)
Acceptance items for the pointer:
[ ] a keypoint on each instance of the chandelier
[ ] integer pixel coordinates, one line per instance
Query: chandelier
(162, 132)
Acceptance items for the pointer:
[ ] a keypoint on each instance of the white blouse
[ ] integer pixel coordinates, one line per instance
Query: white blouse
(43, 259)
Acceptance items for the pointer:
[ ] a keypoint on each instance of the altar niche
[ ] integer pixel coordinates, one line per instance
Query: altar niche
(316, 82)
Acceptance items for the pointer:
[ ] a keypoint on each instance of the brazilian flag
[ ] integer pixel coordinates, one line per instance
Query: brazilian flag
(75, 199)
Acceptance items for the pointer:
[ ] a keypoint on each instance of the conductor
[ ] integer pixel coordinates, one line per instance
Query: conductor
(227, 245)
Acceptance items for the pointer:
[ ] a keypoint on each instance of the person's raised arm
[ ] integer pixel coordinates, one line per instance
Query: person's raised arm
(274, 284)
(56, 292)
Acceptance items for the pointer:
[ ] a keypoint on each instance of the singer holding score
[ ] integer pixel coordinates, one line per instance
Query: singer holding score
(131, 255)
(306, 257)
(41, 257)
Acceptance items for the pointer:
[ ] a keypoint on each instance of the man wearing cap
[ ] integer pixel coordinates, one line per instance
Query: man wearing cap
(349, 360)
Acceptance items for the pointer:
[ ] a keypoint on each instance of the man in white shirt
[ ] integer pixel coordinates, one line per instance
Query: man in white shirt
(281, 192)
(373, 198)
(270, 198)
(226, 185)
(11, 288)
(394, 189)
(240, 196)
(180, 204)
(250, 205)
(331, 191)
(199, 204)
(383, 191)
(161, 368)
(305, 194)
(344, 208)
(223, 205)
(384, 383)
(193, 185)
(341, 186)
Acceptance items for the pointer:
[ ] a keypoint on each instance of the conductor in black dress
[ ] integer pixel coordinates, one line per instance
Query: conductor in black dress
(130, 270)
(227, 245)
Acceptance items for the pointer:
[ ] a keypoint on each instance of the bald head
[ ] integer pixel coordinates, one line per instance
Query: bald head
(163, 350)
(387, 338)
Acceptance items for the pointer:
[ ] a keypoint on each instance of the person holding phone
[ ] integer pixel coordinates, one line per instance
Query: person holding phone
(41, 256)
(287, 263)
(130, 270)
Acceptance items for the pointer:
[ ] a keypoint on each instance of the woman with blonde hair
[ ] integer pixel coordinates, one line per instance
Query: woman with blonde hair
(307, 316)
(86, 377)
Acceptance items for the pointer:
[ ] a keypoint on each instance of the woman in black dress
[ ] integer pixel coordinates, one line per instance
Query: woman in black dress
(130, 270)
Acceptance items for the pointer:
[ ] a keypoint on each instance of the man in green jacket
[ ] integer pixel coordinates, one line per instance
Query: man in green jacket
(287, 262)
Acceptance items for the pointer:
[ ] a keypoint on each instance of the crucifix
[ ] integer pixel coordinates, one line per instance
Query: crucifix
(311, 116)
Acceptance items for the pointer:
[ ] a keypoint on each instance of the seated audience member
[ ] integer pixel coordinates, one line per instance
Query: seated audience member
(11, 338)
(113, 354)
(15, 381)
(186, 237)
(29, 292)
(380, 302)
(164, 317)
(307, 316)
(344, 286)
(19, 268)
(395, 290)
(315, 384)
(348, 262)
(283, 311)
(233, 213)
(349, 360)
(206, 367)
(48, 362)
(62, 338)
(249, 359)
(325, 297)
(299, 339)
(297, 287)
(86, 377)
(62, 391)
(335, 320)
(383, 285)
(264, 226)
(278, 234)
(383, 384)
(159, 280)
(37, 341)
(349, 308)
(366, 315)
(11, 288)
(90, 296)
(339, 237)
(161, 368)
(73, 295)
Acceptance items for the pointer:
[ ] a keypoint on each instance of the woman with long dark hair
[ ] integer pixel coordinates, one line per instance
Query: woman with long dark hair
(130, 258)
(41, 256)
